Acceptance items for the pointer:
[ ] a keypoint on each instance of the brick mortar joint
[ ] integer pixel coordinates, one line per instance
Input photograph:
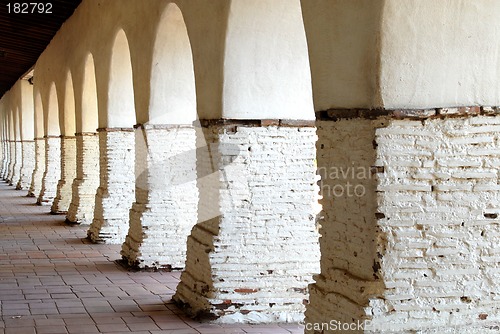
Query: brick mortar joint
(115, 130)
(85, 134)
(410, 114)
(233, 123)
(163, 126)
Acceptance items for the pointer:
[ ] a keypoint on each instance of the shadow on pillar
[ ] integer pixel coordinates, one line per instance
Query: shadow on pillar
(116, 191)
(84, 187)
(166, 197)
(36, 178)
(63, 197)
(254, 251)
(351, 242)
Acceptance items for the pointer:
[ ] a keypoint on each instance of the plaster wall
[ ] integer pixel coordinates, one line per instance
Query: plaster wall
(431, 56)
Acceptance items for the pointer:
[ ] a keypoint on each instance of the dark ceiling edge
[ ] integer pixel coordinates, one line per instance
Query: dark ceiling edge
(24, 38)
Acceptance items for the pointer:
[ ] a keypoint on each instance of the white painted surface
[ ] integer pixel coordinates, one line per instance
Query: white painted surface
(28, 165)
(173, 90)
(166, 201)
(432, 57)
(266, 64)
(36, 179)
(116, 191)
(262, 251)
(52, 172)
(81, 209)
(63, 197)
(120, 112)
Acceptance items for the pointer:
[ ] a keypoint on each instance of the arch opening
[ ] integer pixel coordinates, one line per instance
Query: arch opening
(173, 90)
(87, 116)
(68, 113)
(121, 105)
(51, 118)
(266, 62)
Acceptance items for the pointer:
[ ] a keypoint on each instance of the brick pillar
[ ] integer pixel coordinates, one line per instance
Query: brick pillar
(431, 225)
(251, 259)
(18, 162)
(12, 161)
(36, 178)
(116, 191)
(52, 170)
(5, 159)
(28, 164)
(68, 174)
(349, 232)
(165, 207)
(81, 209)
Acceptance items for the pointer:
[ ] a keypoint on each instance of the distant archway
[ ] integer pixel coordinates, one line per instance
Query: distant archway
(39, 130)
(88, 115)
(68, 116)
(52, 113)
(121, 108)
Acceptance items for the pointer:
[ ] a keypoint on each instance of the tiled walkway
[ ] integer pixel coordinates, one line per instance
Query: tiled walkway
(54, 281)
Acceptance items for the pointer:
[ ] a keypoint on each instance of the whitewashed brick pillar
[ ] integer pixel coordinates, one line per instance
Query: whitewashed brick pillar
(349, 241)
(418, 251)
(38, 171)
(18, 162)
(116, 191)
(52, 170)
(12, 160)
(2, 162)
(68, 174)
(256, 249)
(28, 164)
(5, 158)
(81, 209)
(165, 207)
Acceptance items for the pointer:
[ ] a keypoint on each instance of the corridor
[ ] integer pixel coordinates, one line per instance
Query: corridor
(53, 280)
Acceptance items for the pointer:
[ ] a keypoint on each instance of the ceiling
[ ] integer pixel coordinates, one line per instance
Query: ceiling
(23, 37)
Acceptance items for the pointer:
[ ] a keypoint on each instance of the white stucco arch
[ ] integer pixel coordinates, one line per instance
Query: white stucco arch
(51, 113)
(87, 109)
(38, 116)
(173, 91)
(266, 63)
(343, 42)
(67, 112)
(120, 111)
(27, 111)
(17, 122)
(11, 125)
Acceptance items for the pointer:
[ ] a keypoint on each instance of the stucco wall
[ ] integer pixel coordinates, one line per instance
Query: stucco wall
(440, 53)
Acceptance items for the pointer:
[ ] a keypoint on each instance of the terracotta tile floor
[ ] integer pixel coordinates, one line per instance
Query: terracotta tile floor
(54, 281)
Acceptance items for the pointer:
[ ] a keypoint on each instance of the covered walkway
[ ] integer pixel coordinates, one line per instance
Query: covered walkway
(53, 280)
